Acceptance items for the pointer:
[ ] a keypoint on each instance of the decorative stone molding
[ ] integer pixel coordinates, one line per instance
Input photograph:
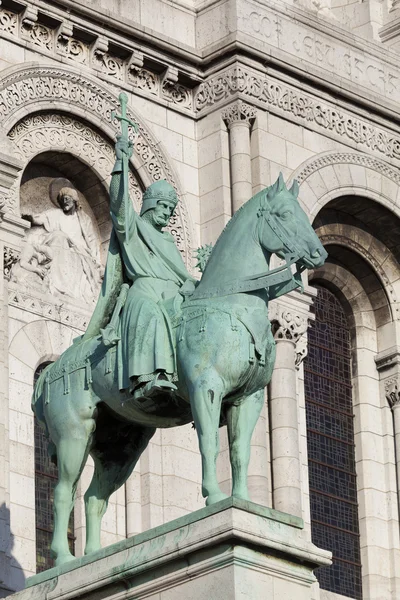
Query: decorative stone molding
(372, 259)
(392, 391)
(39, 35)
(49, 310)
(61, 40)
(112, 66)
(348, 158)
(73, 49)
(8, 21)
(239, 112)
(304, 108)
(388, 359)
(33, 88)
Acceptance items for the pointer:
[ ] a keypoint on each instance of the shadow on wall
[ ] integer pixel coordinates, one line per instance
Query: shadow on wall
(12, 578)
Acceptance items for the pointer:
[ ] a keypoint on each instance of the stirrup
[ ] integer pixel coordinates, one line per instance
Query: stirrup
(154, 386)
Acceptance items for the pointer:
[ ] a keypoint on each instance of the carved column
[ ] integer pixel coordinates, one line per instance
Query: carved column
(239, 118)
(284, 419)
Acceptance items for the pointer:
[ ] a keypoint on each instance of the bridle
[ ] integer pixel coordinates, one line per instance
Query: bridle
(282, 275)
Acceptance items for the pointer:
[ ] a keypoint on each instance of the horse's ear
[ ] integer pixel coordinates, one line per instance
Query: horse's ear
(280, 183)
(294, 190)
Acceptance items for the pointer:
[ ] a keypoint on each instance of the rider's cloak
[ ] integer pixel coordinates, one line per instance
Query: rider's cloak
(151, 262)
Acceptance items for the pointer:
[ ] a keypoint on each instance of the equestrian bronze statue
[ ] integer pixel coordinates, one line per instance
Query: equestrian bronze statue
(163, 349)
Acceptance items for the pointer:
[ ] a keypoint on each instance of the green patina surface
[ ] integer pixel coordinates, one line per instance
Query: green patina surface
(163, 350)
(178, 524)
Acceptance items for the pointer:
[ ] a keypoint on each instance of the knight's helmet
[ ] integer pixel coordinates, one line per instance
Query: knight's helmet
(159, 190)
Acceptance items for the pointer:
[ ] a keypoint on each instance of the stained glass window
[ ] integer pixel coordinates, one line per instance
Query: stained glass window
(46, 474)
(330, 440)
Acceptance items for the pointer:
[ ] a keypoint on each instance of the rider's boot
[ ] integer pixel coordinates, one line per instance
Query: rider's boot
(161, 382)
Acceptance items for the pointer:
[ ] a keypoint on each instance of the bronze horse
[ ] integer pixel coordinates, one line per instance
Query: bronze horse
(225, 355)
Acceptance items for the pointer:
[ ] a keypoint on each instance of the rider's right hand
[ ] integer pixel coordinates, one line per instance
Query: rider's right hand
(123, 147)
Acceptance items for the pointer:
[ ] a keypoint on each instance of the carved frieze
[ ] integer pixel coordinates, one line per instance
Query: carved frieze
(39, 35)
(143, 79)
(55, 311)
(129, 70)
(112, 66)
(303, 107)
(8, 21)
(348, 158)
(73, 49)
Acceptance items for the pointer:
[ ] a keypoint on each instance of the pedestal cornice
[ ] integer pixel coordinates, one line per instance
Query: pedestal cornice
(232, 534)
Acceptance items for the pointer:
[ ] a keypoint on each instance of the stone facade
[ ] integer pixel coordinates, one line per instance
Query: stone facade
(226, 94)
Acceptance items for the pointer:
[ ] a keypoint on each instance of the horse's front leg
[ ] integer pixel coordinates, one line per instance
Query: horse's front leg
(241, 421)
(205, 400)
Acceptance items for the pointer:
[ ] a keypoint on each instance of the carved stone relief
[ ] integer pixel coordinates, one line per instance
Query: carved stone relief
(392, 391)
(61, 253)
(8, 21)
(286, 324)
(60, 40)
(27, 88)
(11, 256)
(239, 112)
(303, 107)
(349, 158)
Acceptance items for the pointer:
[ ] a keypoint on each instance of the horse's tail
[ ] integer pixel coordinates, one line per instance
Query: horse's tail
(37, 402)
(37, 405)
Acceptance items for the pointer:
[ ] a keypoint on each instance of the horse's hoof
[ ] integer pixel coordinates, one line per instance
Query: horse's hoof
(91, 549)
(243, 496)
(213, 498)
(63, 559)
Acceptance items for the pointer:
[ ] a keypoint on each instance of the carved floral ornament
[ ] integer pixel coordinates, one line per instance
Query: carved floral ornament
(39, 88)
(392, 391)
(239, 112)
(60, 41)
(305, 108)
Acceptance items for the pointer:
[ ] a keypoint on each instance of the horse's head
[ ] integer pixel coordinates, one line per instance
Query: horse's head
(285, 229)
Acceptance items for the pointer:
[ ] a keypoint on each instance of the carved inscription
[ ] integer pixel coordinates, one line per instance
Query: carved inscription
(318, 49)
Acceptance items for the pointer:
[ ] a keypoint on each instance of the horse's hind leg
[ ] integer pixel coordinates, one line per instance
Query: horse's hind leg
(71, 457)
(205, 401)
(114, 460)
(241, 421)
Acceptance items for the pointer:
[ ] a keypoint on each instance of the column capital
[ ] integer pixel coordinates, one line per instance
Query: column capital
(239, 112)
(288, 325)
(392, 391)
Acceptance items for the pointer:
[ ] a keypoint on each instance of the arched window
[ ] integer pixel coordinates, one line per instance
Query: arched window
(330, 440)
(46, 475)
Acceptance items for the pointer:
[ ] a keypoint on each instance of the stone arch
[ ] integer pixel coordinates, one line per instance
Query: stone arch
(353, 297)
(39, 341)
(330, 174)
(29, 92)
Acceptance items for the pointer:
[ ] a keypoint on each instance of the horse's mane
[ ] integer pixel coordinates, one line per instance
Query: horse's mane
(246, 206)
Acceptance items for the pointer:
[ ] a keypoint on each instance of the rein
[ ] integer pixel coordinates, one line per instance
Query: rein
(280, 275)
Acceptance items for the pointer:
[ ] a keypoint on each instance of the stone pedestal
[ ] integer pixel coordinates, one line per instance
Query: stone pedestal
(234, 549)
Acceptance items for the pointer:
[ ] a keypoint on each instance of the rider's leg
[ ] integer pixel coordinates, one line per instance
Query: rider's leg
(241, 421)
(71, 458)
(205, 401)
(113, 465)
